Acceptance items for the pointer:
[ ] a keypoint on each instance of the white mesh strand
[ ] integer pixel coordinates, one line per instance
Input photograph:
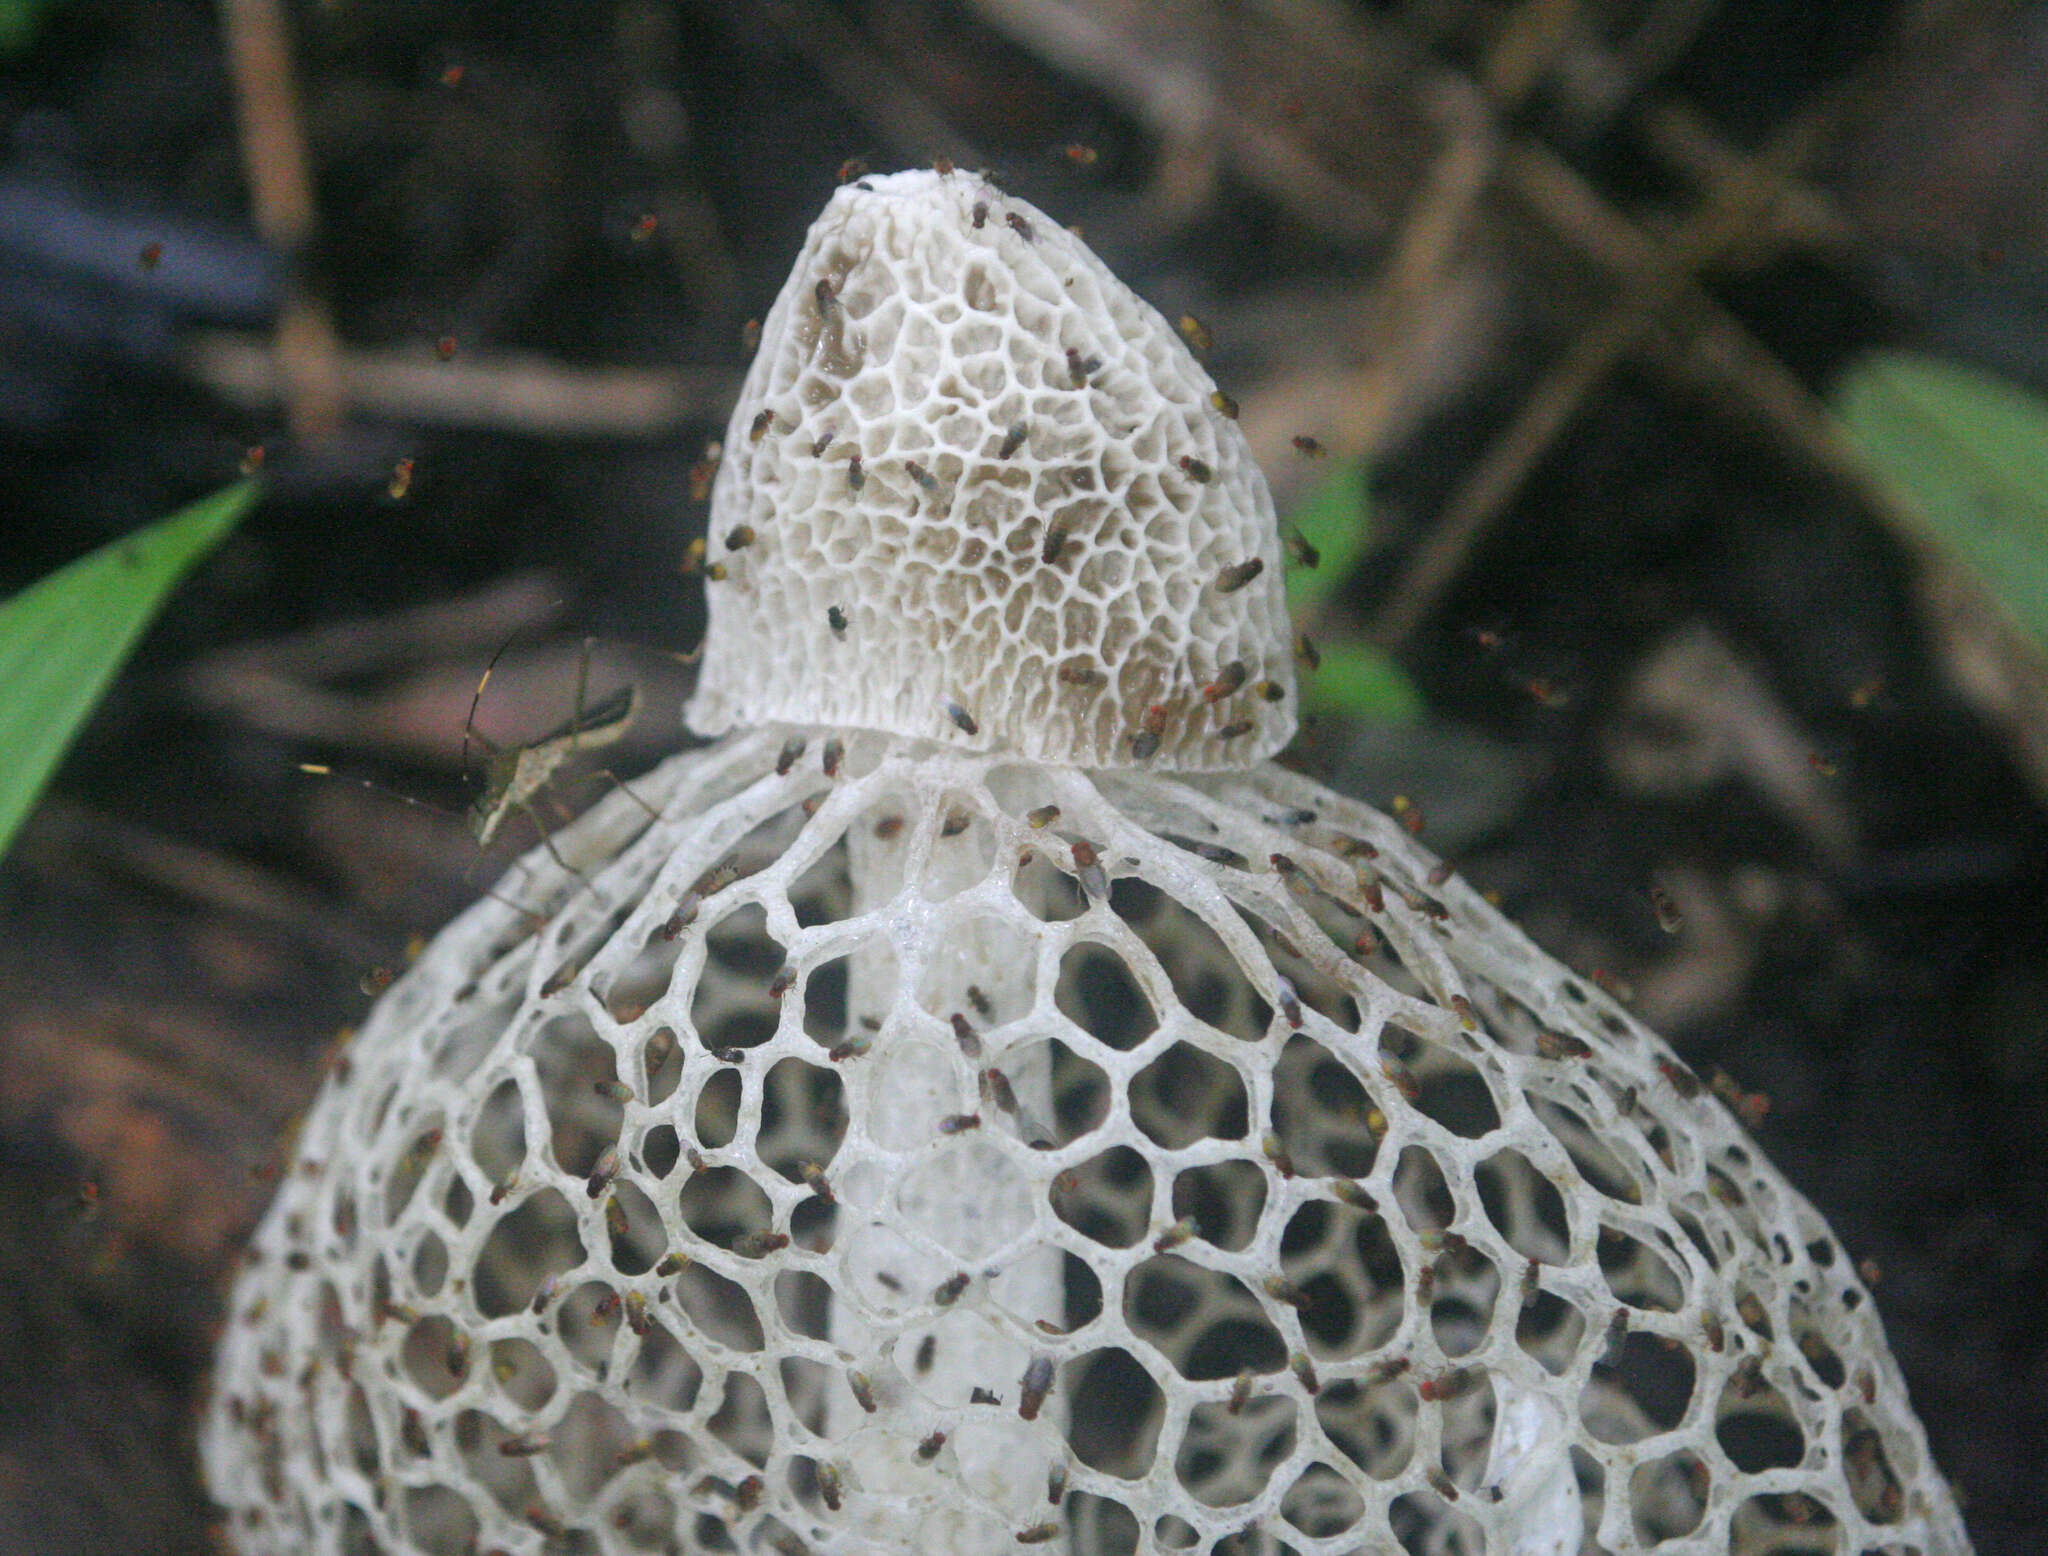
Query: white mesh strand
(1007, 476)
(686, 1212)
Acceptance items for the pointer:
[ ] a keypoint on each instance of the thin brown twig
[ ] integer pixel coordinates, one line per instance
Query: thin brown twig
(1730, 212)
(1167, 84)
(1999, 666)
(281, 196)
(71, 837)
(1719, 348)
(500, 391)
(1440, 217)
(1525, 48)
(1399, 319)
(1804, 217)
(868, 83)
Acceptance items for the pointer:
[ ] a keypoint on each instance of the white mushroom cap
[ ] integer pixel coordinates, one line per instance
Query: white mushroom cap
(900, 556)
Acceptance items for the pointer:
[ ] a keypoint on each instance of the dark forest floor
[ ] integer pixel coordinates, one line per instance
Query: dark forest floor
(1685, 655)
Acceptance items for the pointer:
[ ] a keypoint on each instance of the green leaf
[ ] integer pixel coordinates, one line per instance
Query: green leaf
(1359, 681)
(1356, 680)
(1971, 453)
(62, 640)
(18, 22)
(1334, 519)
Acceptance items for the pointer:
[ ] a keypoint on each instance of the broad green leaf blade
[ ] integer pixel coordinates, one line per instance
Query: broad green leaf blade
(1971, 453)
(1334, 520)
(1358, 681)
(61, 640)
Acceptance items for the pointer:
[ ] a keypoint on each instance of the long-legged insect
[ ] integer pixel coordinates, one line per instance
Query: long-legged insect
(515, 775)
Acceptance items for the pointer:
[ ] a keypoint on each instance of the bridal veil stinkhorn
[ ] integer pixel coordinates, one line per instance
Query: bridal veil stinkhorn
(988, 1107)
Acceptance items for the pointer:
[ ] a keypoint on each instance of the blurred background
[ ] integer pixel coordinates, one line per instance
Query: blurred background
(1656, 376)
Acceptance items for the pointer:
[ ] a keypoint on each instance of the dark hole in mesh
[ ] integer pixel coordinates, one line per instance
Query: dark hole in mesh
(721, 1309)
(1456, 1096)
(742, 1422)
(1758, 1432)
(1420, 1189)
(410, 1167)
(434, 1358)
(740, 944)
(738, 1029)
(661, 1064)
(731, 1007)
(1697, 1235)
(803, 1117)
(572, 1062)
(1227, 1456)
(643, 980)
(363, 1446)
(1101, 1525)
(1187, 1094)
(1115, 1412)
(660, 1150)
(1597, 1165)
(1467, 1286)
(724, 1206)
(521, 1373)
(1345, 1262)
(1821, 1357)
(357, 1538)
(1876, 1490)
(1320, 1110)
(822, 894)
(1640, 1386)
(709, 1533)
(535, 1239)
(1637, 1274)
(439, 1522)
(1097, 992)
(1667, 1496)
(1083, 1288)
(587, 1319)
(633, 1227)
(1205, 977)
(1080, 1092)
(429, 1265)
(805, 1302)
(1788, 1523)
(718, 1110)
(1425, 1524)
(588, 1441)
(1048, 892)
(1223, 1199)
(1108, 1198)
(1205, 1322)
(825, 1001)
(665, 1374)
(812, 1223)
(508, 1478)
(1524, 1206)
(1549, 1328)
(1322, 1503)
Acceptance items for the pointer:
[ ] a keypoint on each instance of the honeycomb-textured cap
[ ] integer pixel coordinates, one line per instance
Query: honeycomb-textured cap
(977, 490)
